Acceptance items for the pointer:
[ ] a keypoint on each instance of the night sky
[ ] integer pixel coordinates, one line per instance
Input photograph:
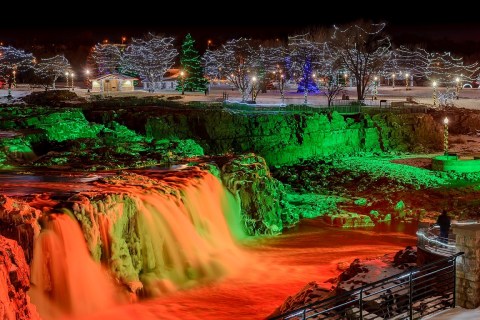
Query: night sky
(455, 28)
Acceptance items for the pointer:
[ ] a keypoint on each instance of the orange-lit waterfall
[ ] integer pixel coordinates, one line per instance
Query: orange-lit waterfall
(162, 236)
(64, 277)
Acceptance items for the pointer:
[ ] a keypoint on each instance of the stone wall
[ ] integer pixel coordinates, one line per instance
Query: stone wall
(468, 266)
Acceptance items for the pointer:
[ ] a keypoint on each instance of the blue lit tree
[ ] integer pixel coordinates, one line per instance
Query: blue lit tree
(306, 78)
(303, 53)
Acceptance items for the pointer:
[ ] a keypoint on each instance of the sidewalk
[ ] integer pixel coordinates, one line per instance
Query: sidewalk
(456, 314)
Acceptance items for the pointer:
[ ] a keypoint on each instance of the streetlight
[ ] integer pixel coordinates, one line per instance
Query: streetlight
(182, 74)
(345, 76)
(66, 77)
(282, 86)
(445, 136)
(393, 80)
(209, 42)
(14, 78)
(434, 84)
(254, 81)
(406, 81)
(71, 75)
(457, 87)
(124, 39)
(375, 86)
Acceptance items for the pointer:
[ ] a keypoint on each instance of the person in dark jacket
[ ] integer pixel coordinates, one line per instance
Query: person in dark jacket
(444, 222)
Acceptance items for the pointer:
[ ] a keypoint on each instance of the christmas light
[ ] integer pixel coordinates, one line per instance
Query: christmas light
(107, 58)
(48, 70)
(150, 58)
(191, 63)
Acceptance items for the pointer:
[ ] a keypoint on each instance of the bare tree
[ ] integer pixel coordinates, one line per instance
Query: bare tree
(150, 57)
(237, 61)
(48, 70)
(107, 58)
(279, 58)
(363, 49)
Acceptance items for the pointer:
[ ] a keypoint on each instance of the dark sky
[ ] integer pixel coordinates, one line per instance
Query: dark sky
(93, 21)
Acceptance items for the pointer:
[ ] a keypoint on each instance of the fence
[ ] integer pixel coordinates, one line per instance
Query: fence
(412, 294)
(429, 240)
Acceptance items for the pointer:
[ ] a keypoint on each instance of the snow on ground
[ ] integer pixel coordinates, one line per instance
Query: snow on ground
(456, 314)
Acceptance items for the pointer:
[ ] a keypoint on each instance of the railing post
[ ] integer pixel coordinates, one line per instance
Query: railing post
(361, 304)
(454, 281)
(303, 314)
(410, 296)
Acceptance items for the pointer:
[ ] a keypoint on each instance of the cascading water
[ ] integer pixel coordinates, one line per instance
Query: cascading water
(64, 277)
(159, 234)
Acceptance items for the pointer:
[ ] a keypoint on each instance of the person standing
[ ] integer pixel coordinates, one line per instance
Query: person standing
(443, 221)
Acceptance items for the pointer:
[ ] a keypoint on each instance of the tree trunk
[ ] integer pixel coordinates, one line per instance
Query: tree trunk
(359, 91)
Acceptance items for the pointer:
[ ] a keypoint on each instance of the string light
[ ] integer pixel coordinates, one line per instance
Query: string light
(150, 57)
(48, 70)
(107, 58)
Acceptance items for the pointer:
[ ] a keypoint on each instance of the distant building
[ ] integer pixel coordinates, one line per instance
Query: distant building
(169, 81)
(113, 83)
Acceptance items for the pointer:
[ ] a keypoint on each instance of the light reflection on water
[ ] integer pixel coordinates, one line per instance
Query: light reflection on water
(15, 184)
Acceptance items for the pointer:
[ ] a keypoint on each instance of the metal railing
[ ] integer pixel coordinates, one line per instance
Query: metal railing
(429, 239)
(412, 294)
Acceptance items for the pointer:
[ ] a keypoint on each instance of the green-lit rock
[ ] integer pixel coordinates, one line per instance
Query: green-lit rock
(263, 199)
(348, 220)
(361, 202)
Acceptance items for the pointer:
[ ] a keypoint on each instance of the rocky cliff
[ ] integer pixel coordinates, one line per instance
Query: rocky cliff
(14, 283)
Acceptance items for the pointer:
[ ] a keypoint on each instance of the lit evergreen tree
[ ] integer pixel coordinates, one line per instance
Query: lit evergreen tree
(192, 68)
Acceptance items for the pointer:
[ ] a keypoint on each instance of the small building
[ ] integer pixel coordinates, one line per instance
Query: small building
(113, 83)
(169, 81)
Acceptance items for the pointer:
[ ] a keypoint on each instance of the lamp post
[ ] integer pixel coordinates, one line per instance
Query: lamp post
(393, 80)
(66, 77)
(87, 72)
(434, 84)
(71, 75)
(345, 75)
(445, 136)
(14, 78)
(254, 81)
(282, 86)
(182, 74)
(124, 39)
(375, 88)
(406, 81)
(457, 87)
(209, 42)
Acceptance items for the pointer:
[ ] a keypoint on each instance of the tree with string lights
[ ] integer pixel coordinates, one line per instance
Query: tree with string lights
(236, 60)
(363, 49)
(48, 70)
(191, 66)
(303, 55)
(443, 68)
(107, 58)
(150, 58)
(13, 61)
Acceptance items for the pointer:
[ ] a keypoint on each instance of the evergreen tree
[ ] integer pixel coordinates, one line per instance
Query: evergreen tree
(191, 66)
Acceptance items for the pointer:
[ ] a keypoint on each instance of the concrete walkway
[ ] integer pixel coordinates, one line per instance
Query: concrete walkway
(456, 314)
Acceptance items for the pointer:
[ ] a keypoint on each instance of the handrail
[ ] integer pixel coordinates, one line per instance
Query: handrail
(407, 275)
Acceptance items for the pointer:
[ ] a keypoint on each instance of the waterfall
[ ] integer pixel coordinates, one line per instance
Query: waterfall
(192, 231)
(64, 277)
(157, 234)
